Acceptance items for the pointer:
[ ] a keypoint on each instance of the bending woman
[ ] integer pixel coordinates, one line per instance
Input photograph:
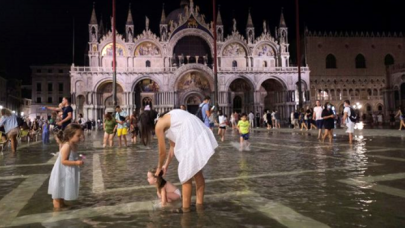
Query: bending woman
(191, 142)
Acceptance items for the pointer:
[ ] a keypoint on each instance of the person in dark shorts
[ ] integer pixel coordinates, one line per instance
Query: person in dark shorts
(328, 121)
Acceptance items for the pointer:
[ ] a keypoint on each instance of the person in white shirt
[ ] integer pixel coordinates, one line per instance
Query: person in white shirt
(318, 118)
(380, 118)
(252, 119)
(82, 121)
(273, 118)
(349, 124)
(222, 125)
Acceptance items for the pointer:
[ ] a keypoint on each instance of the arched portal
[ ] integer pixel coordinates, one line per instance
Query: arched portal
(80, 104)
(192, 103)
(241, 93)
(192, 87)
(272, 94)
(237, 104)
(105, 96)
(145, 93)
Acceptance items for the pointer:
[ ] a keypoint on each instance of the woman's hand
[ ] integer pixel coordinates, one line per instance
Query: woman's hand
(164, 168)
(158, 171)
(79, 163)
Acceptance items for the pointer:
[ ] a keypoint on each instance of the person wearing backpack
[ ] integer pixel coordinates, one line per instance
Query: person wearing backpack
(204, 111)
(350, 118)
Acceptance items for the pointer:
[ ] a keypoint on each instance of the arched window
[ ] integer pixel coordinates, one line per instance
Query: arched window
(330, 62)
(234, 64)
(360, 61)
(389, 60)
(264, 63)
(147, 63)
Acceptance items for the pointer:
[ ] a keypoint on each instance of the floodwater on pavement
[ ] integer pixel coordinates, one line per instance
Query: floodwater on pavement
(287, 179)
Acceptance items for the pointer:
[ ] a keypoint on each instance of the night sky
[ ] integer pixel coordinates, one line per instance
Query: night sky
(39, 32)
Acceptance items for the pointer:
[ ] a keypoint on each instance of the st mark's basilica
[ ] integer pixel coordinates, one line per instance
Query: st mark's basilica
(175, 67)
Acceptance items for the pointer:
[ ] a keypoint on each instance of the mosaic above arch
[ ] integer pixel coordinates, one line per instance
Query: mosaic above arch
(148, 85)
(147, 49)
(234, 50)
(193, 80)
(265, 50)
(108, 50)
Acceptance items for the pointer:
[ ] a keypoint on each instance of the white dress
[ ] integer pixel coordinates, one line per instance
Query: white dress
(194, 143)
(64, 182)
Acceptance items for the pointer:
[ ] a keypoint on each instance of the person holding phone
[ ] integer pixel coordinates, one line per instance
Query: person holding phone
(122, 131)
(206, 110)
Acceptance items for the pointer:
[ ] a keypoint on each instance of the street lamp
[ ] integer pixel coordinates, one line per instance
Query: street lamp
(13, 112)
(1, 107)
(22, 113)
(359, 125)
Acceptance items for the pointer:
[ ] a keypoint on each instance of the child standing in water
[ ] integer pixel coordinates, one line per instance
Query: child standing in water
(244, 127)
(166, 191)
(64, 182)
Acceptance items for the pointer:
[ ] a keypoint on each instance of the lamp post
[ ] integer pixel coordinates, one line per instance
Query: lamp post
(298, 53)
(215, 55)
(114, 59)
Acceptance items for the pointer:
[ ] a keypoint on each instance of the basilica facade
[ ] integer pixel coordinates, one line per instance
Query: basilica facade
(175, 67)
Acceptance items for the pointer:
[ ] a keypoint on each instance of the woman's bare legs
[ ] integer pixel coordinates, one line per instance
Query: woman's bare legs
(186, 190)
(200, 186)
(105, 139)
(13, 140)
(111, 140)
(330, 135)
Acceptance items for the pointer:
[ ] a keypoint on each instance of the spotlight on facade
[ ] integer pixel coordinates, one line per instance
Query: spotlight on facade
(1, 107)
(13, 112)
(22, 113)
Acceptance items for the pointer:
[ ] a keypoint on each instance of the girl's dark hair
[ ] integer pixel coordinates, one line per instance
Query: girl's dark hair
(160, 181)
(147, 125)
(108, 116)
(220, 112)
(70, 131)
(326, 105)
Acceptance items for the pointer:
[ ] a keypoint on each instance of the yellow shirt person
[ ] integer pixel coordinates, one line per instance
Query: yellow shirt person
(243, 126)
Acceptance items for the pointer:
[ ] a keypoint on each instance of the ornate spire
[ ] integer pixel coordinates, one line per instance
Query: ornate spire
(101, 27)
(249, 22)
(183, 3)
(219, 18)
(163, 18)
(282, 20)
(93, 19)
(129, 18)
